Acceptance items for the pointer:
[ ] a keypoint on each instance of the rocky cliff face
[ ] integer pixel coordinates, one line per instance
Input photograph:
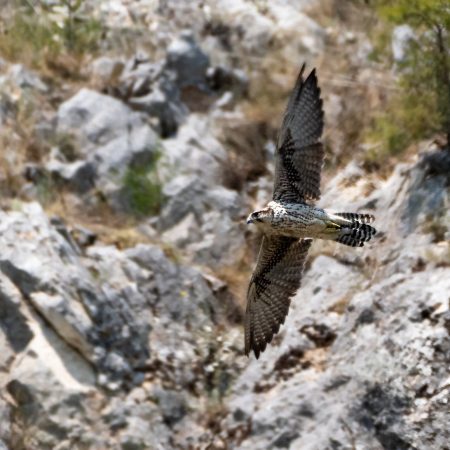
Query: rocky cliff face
(124, 255)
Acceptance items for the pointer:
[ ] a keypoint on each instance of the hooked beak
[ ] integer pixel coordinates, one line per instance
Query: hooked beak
(249, 220)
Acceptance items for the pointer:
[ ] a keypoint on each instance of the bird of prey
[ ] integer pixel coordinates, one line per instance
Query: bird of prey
(290, 220)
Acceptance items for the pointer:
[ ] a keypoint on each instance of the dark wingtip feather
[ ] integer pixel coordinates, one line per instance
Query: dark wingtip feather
(299, 82)
(312, 78)
(302, 70)
(256, 350)
(312, 74)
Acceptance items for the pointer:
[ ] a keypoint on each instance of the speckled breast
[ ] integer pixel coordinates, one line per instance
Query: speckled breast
(296, 220)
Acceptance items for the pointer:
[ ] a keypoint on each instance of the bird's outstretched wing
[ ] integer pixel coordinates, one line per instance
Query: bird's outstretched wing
(299, 155)
(276, 278)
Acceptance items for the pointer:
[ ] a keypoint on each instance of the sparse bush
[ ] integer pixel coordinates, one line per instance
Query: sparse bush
(79, 34)
(46, 190)
(28, 37)
(407, 118)
(246, 155)
(143, 189)
(66, 145)
(41, 33)
(421, 107)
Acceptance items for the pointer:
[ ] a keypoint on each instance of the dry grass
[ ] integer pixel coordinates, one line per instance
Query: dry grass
(111, 228)
(236, 279)
(317, 358)
(245, 139)
(246, 155)
(36, 36)
(340, 306)
(10, 177)
(18, 140)
(269, 90)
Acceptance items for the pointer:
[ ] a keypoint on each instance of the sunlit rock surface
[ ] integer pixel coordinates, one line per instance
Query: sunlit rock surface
(121, 326)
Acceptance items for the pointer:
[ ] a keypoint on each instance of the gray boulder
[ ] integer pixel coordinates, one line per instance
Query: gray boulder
(402, 35)
(361, 362)
(79, 309)
(148, 87)
(204, 220)
(172, 405)
(163, 104)
(96, 120)
(110, 139)
(71, 321)
(221, 78)
(185, 231)
(24, 79)
(105, 70)
(80, 176)
(222, 241)
(188, 61)
(194, 151)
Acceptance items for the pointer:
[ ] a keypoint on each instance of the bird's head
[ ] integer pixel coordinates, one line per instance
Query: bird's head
(260, 217)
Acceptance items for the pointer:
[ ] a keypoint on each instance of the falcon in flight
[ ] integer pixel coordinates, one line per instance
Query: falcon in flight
(290, 220)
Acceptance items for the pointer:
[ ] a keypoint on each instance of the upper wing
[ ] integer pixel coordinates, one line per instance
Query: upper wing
(299, 155)
(275, 280)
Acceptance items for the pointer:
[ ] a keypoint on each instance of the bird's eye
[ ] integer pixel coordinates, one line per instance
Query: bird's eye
(256, 216)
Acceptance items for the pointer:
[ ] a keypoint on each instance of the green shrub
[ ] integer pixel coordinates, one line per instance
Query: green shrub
(67, 145)
(409, 117)
(421, 106)
(142, 189)
(47, 190)
(28, 37)
(38, 35)
(79, 34)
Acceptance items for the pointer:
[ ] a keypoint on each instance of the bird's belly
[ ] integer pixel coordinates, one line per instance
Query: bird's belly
(298, 227)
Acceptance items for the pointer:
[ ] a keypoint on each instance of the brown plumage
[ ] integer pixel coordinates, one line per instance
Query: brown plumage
(290, 220)
(299, 156)
(275, 280)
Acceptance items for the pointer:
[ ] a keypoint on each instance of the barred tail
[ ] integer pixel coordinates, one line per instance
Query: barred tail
(356, 230)
(363, 218)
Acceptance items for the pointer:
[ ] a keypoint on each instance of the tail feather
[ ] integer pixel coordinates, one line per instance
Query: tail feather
(363, 218)
(357, 231)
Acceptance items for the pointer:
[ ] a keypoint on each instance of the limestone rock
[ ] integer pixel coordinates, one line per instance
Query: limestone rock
(96, 120)
(187, 60)
(24, 78)
(141, 347)
(149, 87)
(47, 270)
(222, 78)
(361, 361)
(401, 38)
(106, 70)
(110, 139)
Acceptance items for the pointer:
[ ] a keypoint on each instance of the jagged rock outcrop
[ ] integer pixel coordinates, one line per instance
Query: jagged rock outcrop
(121, 328)
(361, 361)
(110, 139)
(85, 323)
(108, 327)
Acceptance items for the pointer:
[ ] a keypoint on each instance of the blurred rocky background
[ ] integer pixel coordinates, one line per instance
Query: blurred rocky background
(135, 137)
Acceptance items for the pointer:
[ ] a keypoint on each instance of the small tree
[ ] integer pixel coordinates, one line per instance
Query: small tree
(425, 70)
